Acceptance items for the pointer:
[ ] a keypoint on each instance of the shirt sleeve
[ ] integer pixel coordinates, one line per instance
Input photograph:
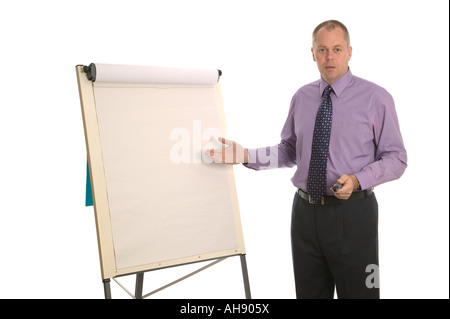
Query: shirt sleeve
(280, 155)
(390, 154)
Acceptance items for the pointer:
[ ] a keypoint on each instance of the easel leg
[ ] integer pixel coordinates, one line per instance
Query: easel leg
(245, 277)
(107, 288)
(139, 285)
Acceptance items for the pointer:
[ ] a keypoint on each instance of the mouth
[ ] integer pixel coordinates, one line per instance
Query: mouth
(330, 67)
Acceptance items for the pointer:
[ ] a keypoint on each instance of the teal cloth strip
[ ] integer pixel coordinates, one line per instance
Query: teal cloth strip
(89, 200)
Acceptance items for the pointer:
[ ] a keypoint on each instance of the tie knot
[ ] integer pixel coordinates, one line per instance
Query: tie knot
(327, 91)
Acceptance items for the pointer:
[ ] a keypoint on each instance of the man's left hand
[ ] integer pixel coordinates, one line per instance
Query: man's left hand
(349, 184)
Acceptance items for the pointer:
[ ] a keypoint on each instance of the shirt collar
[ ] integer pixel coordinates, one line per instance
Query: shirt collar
(339, 85)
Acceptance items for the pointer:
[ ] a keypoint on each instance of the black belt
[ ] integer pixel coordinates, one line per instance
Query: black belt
(333, 199)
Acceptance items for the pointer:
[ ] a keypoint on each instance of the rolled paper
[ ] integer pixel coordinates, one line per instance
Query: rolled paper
(118, 73)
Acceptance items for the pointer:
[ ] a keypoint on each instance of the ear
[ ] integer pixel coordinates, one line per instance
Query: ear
(314, 57)
(350, 49)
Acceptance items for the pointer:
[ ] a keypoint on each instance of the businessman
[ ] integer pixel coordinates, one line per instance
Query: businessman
(343, 135)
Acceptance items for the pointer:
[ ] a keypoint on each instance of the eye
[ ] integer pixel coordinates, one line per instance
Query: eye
(337, 50)
(322, 50)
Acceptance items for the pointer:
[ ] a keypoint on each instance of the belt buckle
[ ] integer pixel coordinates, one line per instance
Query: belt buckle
(322, 200)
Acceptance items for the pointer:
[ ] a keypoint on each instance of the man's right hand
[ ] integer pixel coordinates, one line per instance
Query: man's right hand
(230, 153)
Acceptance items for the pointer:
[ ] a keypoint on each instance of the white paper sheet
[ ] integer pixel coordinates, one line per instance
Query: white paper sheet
(161, 208)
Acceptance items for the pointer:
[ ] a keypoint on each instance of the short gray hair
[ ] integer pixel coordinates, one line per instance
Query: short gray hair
(331, 25)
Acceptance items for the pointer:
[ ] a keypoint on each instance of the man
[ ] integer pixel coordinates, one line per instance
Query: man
(340, 131)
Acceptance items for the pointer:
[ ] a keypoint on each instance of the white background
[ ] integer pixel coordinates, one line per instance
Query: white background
(48, 242)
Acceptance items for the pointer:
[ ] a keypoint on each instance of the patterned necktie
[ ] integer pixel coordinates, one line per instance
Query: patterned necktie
(317, 175)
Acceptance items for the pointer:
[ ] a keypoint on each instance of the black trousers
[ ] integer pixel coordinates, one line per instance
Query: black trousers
(335, 245)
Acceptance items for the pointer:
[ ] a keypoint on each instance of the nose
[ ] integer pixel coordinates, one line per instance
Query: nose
(330, 55)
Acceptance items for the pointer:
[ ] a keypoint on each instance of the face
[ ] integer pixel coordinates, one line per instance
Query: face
(331, 53)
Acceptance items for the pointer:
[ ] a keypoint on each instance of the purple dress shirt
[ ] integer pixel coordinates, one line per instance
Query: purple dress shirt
(365, 135)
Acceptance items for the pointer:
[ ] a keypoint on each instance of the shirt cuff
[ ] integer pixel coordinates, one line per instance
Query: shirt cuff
(252, 160)
(262, 158)
(365, 179)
